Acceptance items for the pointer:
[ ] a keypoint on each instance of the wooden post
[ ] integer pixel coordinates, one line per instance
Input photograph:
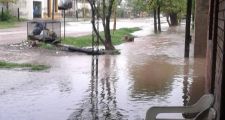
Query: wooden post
(49, 8)
(56, 6)
(7, 6)
(188, 29)
(18, 13)
(53, 9)
(2, 13)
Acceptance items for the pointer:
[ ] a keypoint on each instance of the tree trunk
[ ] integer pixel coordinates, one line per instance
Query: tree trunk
(168, 20)
(155, 21)
(115, 15)
(173, 19)
(159, 21)
(108, 40)
(106, 15)
(114, 24)
(83, 11)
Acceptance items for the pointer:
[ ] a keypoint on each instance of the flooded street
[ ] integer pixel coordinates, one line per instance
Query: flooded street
(151, 71)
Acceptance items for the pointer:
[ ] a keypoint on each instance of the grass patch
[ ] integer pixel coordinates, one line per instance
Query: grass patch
(7, 24)
(84, 41)
(32, 67)
(47, 46)
(13, 22)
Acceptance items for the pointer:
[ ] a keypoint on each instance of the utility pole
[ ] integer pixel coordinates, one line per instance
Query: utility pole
(188, 29)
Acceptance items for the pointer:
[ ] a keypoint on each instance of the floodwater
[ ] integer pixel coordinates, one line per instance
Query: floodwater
(151, 71)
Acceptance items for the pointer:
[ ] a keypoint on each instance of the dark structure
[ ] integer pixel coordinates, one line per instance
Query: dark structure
(201, 21)
(45, 31)
(65, 5)
(188, 29)
(216, 56)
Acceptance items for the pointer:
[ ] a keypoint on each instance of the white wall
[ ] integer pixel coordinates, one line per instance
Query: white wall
(26, 8)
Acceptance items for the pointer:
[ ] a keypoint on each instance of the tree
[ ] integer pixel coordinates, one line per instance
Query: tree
(137, 6)
(173, 9)
(104, 12)
(159, 12)
(155, 20)
(6, 2)
(116, 3)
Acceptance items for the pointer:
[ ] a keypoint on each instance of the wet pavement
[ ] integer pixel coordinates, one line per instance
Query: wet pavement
(150, 71)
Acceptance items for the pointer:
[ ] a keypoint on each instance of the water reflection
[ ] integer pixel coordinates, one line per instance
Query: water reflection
(101, 102)
(197, 88)
(150, 71)
(186, 95)
(193, 83)
(65, 85)
(152, 78)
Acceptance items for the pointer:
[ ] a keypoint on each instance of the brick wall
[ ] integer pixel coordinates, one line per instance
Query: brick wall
(216, 56)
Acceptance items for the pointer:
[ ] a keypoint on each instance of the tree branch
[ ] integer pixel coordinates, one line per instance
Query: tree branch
(92, 4)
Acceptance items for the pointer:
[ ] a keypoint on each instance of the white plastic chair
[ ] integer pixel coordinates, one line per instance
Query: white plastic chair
(202, 107)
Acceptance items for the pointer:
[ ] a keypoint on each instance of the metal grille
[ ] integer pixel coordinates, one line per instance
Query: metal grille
(46, 26)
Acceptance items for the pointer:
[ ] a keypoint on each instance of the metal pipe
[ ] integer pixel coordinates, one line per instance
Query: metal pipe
(64, 12)
(188, 29)
(18, 13)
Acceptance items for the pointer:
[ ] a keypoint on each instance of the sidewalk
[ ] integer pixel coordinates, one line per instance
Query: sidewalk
(73, 29)
(13, 35)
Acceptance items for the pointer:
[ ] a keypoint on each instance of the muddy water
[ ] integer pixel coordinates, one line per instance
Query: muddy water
(151, 71)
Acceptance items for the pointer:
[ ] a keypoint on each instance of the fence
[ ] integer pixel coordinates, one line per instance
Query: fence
(13, 12)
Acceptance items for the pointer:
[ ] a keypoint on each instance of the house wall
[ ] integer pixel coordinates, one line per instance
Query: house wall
(216, 56)
(23, 5)
(26, 8)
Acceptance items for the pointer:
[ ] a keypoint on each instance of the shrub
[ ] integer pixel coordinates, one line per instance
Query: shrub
(6, 16)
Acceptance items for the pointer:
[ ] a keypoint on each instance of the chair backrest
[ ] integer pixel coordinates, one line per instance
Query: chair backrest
(203, 104)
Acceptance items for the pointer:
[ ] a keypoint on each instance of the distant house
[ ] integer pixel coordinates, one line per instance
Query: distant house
(30, 9)
(81, 8)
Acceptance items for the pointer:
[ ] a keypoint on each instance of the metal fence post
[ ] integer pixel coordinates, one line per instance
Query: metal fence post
(2, 13)
(187, 31)
(18, 13)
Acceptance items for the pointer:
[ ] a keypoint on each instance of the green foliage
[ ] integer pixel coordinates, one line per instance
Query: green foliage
(47, 46)
(7, 24)
(137, 5)
(10, 65)
(7, 20)
(169, 6)
(9, 1)
(6, 16)
(85, 41)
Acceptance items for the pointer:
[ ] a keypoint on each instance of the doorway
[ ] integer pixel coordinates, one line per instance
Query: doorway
(37, 11)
